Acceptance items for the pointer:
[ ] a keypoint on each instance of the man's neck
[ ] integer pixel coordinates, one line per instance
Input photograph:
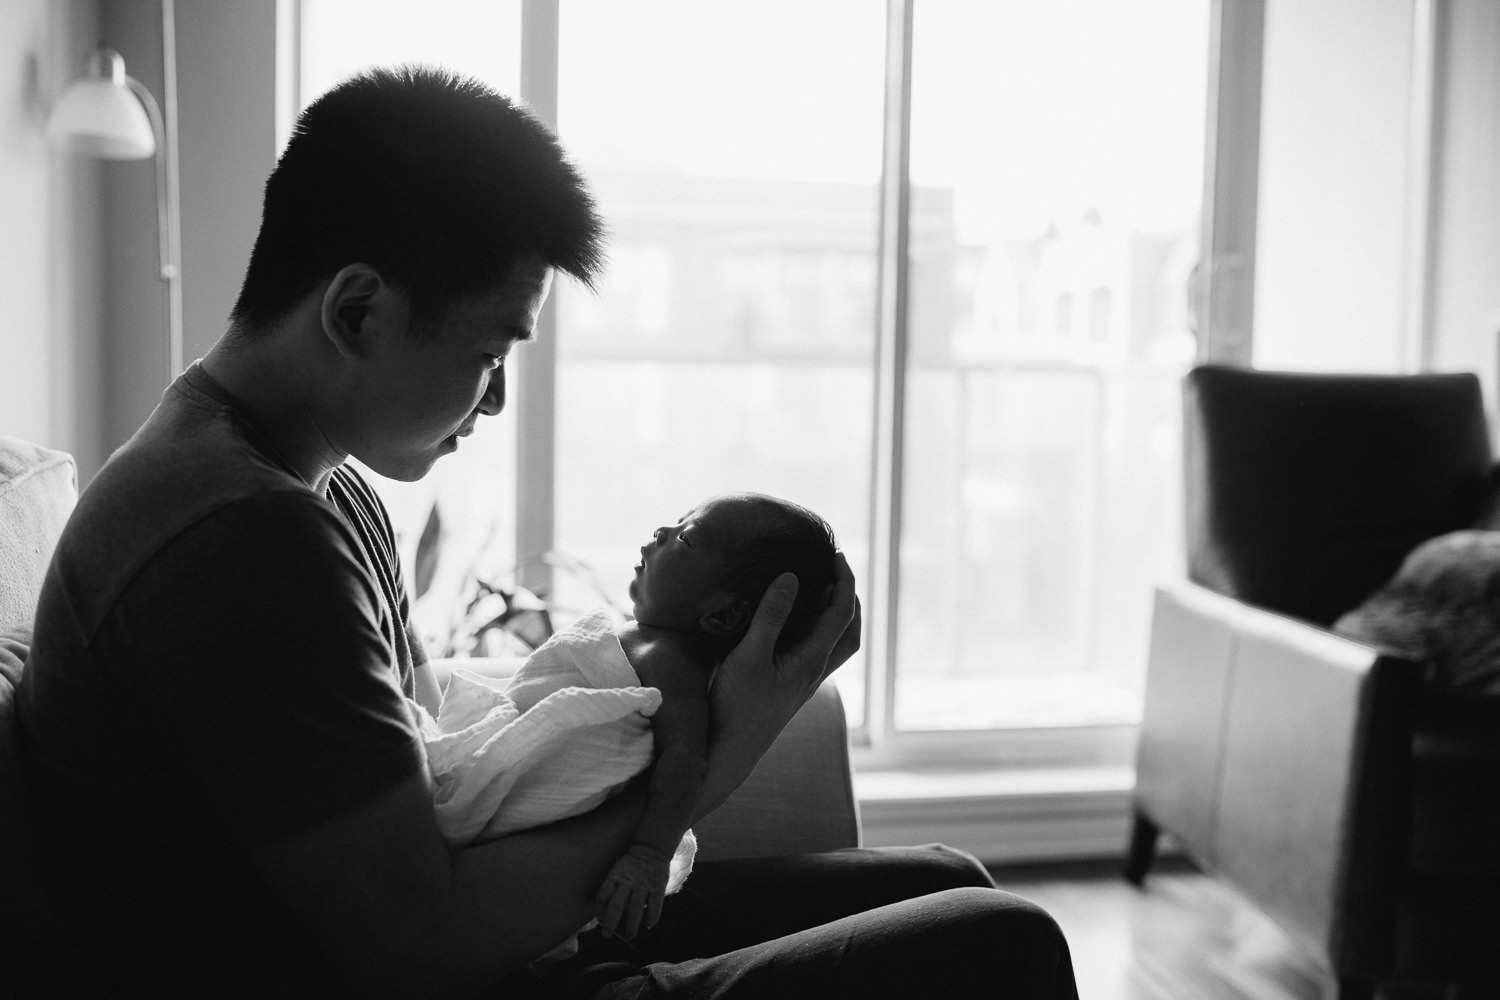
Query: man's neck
(271, 383)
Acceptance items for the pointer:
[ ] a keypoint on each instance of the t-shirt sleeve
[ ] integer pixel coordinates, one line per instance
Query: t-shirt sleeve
(269, 667)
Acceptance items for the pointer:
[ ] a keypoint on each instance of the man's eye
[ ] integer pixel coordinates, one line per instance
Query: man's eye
(682, 537)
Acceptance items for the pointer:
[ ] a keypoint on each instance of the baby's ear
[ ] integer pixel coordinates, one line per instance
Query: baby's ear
(727, 617)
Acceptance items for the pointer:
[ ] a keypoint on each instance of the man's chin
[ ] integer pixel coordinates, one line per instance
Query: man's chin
(409, 468)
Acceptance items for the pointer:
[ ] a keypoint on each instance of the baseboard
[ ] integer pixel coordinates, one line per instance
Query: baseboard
(1002, 817)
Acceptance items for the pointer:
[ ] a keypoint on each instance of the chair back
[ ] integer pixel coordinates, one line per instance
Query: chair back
(1303, 492)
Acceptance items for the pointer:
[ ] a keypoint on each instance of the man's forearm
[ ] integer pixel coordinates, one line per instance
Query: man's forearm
(732, 756)
(521, 895)
(401, 912)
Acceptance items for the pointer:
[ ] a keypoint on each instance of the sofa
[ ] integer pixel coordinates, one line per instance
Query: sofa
(799, 799)
(1336, 786)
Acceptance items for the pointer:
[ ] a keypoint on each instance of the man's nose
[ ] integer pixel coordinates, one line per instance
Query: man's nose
(493, 400)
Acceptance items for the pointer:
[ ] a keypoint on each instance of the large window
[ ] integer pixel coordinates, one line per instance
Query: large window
(1021, 492)
(1056, 168)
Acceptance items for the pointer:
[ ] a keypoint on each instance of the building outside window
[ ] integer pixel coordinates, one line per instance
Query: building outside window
(1055, 156)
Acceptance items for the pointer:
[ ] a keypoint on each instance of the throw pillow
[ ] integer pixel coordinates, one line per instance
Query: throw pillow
(1441, 608)
(1489, 502)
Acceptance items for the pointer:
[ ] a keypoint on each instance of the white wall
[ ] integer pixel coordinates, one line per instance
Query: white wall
(226, 56)
(1331, 264)
(49, 215)
(225, 95)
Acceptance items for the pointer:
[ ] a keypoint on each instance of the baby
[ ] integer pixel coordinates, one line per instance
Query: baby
(571, 727)
(695, 590)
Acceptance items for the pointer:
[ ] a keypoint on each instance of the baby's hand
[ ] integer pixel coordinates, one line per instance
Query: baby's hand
(631, 897)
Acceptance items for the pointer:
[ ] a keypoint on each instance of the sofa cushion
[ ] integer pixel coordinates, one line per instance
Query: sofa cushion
(38, 488)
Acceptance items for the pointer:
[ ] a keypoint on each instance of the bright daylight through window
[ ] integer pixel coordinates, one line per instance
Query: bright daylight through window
(1055, 158)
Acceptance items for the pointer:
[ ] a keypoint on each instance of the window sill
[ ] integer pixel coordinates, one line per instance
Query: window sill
(1001, 815)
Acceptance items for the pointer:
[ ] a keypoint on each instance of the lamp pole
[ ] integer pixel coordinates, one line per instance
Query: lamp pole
(168, 195)
(95, 118)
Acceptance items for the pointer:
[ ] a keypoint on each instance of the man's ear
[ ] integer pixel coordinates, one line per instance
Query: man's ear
(348, 300)
(728, 616)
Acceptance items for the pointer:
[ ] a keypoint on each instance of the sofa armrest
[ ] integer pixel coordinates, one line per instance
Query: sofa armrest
(798, 800)
(800, 797)
(1295, 751)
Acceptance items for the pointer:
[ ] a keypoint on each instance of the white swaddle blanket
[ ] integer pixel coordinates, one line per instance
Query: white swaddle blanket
(569, 730)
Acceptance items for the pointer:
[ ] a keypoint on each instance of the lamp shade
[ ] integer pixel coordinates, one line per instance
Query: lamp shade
(100, 116)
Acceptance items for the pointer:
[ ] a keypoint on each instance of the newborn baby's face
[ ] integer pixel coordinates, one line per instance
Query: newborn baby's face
(680, 571)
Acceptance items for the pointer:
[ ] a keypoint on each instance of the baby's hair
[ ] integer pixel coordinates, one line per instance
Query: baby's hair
(775, 536)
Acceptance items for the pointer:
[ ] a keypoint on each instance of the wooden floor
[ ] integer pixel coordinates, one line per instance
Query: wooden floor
(1184, 936)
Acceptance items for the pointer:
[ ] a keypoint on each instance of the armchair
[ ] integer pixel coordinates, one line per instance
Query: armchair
(799, 799)
(1347, 798)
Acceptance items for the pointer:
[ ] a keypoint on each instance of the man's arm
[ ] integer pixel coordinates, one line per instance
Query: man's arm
(429, 692)
(401, 913)
(756, 690)
(398, 910)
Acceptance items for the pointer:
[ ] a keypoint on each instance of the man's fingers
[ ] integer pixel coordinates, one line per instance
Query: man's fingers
(770, 615)
(839, 616)
(848, 643)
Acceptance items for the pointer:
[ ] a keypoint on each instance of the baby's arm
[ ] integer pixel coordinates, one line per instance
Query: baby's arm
(631, 896)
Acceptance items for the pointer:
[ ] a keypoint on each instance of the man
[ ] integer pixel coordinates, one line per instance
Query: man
(223, 768)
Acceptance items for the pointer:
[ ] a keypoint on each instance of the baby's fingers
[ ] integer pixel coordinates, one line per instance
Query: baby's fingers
(635, 910)
(611, 903)
(653, 908)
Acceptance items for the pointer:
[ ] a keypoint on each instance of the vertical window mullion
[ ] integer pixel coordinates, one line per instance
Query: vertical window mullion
(534, 382)
(1226, 293)
(890, 376)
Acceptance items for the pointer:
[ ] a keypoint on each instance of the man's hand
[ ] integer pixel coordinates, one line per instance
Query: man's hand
(757, 690)
(631, 897)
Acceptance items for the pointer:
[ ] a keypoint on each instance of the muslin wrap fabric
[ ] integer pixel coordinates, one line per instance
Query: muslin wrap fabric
(569, 730)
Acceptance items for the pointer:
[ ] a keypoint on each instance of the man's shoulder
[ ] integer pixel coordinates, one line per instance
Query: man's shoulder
(176, 476)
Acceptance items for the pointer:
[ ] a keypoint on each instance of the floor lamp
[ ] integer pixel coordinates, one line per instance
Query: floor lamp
(110, 115)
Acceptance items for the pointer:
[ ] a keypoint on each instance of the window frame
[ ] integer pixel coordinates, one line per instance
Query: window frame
(1234, 63)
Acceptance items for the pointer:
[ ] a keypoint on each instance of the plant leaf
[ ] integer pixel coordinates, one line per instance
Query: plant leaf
(424, 566)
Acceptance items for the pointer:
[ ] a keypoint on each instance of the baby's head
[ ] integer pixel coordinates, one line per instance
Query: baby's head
(706, 573)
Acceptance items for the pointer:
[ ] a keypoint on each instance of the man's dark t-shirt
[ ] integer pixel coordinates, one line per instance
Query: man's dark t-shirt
(220, 660)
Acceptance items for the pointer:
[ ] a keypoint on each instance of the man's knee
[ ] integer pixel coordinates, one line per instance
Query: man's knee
(970, 942)
(954, 868)
(1023, 940)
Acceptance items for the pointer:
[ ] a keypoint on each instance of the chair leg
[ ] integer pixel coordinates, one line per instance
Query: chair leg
(1349, 988)
(1143, 835)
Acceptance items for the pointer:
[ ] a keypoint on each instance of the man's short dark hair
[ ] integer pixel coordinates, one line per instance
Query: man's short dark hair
(775, 536)
(435, 180)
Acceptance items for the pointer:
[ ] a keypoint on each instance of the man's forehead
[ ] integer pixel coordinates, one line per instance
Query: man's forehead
(520, 290)
(528, 273)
